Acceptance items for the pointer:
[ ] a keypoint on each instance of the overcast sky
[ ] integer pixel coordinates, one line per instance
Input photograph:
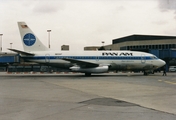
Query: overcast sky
(81, 23)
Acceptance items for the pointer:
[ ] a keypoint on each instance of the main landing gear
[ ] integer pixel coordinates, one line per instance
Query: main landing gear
(146, 73)
(87, 74)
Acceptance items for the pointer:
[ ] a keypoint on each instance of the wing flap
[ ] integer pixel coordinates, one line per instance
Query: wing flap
(82, 64)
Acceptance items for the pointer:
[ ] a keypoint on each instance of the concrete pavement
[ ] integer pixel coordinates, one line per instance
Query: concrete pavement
(101, 97)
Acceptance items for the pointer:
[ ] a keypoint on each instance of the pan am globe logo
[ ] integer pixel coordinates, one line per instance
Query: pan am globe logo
(29, 39)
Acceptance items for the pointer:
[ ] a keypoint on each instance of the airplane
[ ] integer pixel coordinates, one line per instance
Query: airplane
(86, 62)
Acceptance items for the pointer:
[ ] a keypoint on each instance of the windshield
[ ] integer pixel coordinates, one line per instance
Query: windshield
(153, 57)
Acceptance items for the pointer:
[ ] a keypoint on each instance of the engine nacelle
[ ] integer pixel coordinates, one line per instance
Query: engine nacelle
(100, 69)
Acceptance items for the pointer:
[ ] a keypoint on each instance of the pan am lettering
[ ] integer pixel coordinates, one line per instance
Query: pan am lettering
(116, 54)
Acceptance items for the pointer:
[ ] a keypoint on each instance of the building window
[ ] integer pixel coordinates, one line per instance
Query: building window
(157, 46)
(163, 47)
(149, 46)
(160, 47)
(170, 46)
(174, 46)
(128, 47)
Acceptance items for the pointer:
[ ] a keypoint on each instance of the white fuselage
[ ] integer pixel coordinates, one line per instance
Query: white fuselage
(116, 60)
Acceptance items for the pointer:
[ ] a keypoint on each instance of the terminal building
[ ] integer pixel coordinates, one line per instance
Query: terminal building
(143, 43)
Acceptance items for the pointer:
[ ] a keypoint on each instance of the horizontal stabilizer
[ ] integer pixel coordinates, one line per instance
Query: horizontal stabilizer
(21, 52)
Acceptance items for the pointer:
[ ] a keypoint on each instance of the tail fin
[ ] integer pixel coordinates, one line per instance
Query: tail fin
(29, 40)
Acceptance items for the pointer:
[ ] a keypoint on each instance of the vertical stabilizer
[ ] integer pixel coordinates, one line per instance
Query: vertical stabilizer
(29, 40)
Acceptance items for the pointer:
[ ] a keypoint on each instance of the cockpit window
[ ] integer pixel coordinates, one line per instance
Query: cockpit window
(153, 57)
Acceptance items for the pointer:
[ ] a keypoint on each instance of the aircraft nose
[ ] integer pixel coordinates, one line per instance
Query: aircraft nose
(162, 63)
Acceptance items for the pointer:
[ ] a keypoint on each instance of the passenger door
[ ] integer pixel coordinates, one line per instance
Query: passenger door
(97, 59)
(143, 59)
(47, 58)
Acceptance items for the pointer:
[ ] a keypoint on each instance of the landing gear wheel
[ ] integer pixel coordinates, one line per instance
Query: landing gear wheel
(145, 73)
(87, 74)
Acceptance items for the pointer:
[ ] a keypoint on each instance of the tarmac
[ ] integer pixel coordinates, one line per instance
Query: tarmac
(113, 96)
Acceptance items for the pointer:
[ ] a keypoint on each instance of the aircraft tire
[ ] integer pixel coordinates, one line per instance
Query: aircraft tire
(145, 73)
(87, 74)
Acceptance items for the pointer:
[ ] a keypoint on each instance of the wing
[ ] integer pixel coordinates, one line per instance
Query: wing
(82, 64)
(21, 52)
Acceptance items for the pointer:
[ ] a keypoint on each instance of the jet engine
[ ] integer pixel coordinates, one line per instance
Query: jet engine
(100, 69)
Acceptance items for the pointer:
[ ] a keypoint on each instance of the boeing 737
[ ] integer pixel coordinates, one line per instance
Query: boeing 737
(87, 62)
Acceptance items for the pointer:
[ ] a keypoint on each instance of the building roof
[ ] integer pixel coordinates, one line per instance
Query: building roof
(141, 37)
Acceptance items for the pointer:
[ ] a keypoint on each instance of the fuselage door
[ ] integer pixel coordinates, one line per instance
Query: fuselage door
(143, 59)
(47, 58)
(97, 58)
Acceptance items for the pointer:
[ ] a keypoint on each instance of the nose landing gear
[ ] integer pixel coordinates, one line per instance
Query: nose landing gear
(146, 73)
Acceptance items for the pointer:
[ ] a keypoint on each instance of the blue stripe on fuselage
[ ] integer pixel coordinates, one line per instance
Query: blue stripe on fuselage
(92, 57)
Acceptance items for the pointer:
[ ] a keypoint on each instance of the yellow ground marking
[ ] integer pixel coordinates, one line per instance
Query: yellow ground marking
(169, 82)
